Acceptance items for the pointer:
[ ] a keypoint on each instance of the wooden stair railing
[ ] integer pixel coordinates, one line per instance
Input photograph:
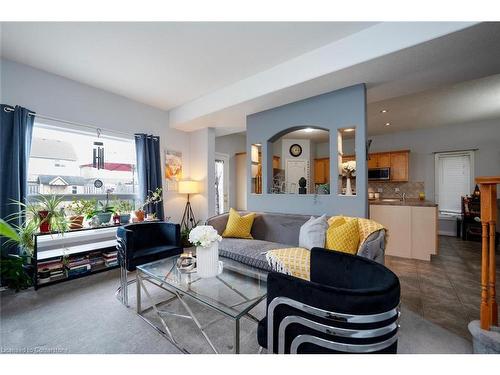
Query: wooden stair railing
(489, 307)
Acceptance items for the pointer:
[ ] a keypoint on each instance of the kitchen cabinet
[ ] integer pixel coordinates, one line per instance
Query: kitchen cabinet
(322, 171)
(411, 230)
(397, 161)
(399, 166)
(379, 160)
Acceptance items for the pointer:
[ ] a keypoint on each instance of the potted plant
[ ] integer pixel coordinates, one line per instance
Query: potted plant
(154, 197)
(16, 271)
(349, 170)
(47, 212)
(123, 208)
(206, 239)
(79, 209)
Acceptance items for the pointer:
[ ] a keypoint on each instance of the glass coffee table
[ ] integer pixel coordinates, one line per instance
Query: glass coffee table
(233, 294)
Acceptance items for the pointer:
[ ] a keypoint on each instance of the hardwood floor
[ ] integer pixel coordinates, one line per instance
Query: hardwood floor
(446, 290)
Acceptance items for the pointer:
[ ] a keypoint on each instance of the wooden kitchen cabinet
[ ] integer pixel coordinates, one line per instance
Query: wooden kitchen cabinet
(379, 160)
(399, 166)
(322, 171)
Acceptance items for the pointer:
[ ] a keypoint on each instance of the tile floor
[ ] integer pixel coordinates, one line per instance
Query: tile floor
(446, 290)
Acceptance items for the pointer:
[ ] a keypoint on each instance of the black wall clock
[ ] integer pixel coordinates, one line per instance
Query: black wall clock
(295, 150)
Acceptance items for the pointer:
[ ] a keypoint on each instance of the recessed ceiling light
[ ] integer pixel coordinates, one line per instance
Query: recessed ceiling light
(387, 123)
(383, 111)
(349, 130)
(308, 130)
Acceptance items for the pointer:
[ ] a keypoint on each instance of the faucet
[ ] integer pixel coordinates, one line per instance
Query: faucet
(402, 196)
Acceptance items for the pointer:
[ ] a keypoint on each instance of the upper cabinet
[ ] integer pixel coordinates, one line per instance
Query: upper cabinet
(399, 165)
(398, 161)
(380, 160)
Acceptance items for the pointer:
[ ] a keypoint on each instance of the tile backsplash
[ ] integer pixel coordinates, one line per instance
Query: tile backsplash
(412, 189)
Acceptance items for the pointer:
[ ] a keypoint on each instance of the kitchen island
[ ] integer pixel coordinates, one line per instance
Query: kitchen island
(411, 224)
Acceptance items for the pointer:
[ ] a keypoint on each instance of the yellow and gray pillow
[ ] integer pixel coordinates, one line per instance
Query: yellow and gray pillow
(239, 226)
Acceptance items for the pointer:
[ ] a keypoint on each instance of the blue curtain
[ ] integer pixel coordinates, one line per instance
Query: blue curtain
(16, 129)
(149, 168)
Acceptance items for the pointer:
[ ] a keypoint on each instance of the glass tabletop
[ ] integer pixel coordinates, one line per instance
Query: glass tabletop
(234, 292)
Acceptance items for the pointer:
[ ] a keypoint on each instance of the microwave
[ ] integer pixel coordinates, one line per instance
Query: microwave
(379, 174)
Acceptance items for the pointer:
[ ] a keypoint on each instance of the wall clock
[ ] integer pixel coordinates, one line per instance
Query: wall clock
(295, 150)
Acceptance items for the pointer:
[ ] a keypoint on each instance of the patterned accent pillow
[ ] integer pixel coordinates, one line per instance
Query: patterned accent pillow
(312, 232)
(365, 226)
(343, 235)
(239, 226)
(294, 261)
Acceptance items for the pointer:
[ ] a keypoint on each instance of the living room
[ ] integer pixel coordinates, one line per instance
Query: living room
(249, 187)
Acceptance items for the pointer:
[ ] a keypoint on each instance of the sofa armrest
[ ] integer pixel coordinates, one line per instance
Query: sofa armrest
(219, 222)
(374, 247)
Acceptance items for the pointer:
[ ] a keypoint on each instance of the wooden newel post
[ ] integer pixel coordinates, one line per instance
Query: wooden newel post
(489, 308)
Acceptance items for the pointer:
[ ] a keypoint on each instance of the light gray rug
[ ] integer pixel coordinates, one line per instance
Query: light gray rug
(83, 316)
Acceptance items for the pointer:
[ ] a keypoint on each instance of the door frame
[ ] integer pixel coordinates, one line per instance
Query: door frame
(225, 158)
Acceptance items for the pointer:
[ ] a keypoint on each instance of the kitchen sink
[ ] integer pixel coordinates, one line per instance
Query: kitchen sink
(390, 200)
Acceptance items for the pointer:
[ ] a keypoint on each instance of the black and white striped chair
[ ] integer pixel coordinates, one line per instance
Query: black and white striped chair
(351, 305)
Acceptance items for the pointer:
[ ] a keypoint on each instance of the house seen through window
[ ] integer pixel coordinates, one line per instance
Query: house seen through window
(61, 163)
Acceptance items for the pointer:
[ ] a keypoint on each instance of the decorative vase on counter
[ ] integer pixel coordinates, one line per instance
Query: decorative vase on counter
(207, 260)
(348, 189)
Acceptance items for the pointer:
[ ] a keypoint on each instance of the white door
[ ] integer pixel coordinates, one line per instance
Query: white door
(221, 183)
(295, 170)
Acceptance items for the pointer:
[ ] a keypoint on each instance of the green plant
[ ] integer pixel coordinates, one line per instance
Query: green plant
(123, 207)
(12, 267)
(13, 272)
(82, 207)
(185, 234)
(54, 212)
(154, 197)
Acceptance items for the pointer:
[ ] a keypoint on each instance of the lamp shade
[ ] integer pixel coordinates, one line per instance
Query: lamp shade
(188, 187)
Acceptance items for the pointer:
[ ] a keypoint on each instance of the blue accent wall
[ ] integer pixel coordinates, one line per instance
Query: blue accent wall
(332, 111)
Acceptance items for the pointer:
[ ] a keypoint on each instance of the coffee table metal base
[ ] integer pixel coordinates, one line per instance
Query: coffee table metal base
(166, 332)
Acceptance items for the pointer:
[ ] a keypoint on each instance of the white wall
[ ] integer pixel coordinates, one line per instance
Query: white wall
(202, 169)
(230, 145)
(62, 98)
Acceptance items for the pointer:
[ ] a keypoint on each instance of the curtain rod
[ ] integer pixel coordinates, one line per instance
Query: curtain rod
(444, 152)
(50, 118)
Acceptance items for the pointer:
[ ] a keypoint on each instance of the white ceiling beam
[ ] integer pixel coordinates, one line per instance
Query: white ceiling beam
(373, 42)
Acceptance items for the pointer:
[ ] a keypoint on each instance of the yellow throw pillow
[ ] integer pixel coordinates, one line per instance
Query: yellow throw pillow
(239, 226)
(343, 235)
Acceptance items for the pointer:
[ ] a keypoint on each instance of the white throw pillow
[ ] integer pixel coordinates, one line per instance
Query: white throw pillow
(312, 232)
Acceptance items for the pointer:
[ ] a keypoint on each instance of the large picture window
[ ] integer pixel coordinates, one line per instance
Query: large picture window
(61, 163)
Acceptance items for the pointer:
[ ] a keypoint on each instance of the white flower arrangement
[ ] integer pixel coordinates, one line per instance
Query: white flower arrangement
(204, 236)
(349, 168)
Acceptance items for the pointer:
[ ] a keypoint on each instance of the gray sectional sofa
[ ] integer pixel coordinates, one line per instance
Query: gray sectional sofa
(274, 231)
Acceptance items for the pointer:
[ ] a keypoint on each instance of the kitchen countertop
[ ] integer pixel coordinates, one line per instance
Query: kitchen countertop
(407, 202)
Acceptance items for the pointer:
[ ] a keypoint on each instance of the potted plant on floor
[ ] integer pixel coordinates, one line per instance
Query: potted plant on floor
(16, 271)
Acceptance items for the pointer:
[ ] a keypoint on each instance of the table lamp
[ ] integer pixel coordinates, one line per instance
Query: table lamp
(188, 187)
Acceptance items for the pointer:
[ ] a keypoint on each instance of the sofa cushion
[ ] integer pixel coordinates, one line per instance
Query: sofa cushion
(343, 236)
(312, 232)
(239, 226)
(249, 252)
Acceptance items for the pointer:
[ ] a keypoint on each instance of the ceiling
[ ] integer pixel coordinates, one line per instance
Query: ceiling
(435, 66)
(164, 64)
(463, 102)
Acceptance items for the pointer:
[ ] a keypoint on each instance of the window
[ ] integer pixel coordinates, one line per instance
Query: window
(61, 163)
(454, 179)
